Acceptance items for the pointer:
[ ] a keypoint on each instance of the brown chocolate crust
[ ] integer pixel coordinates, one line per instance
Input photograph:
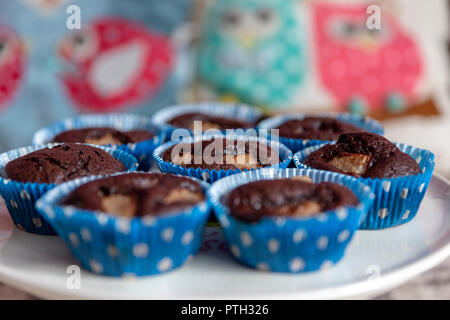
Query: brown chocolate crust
(186, 120)
(137, 194)
(62, 163)
(317, 128)
(286, 197)
(105, 134)
(376, 156)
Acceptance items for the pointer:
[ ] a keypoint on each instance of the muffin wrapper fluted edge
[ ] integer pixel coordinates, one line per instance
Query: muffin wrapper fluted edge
(142, 151)
(20, 197)
(117, 246)
(397, 200)
(291, 244)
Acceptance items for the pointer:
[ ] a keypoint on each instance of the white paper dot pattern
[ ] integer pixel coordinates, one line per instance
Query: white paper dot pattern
(37, 222)
(296, 264)
(112, 251)
(406, 214)
(262, 266)
(235, 251)
(140, 250)
(165, 264)
(273, 245)
(322, 242)
(86, 234)
(404, 193)
(73, 238)
(246, 239)
(343, 235)
(167, 234)
(96, 266)
(382, 213)
(421, 187)
(299, 236)
(187, 238)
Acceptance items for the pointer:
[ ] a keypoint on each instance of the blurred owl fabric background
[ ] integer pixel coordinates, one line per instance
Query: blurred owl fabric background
(281, 55)
(122, 60)
(312, 56)
(253, 50)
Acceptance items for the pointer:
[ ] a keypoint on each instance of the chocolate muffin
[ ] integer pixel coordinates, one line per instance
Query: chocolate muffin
(317, 128)
(296, 197)
(363, 154)
(103, 136)
(186, 121)
(219, 153)
(137, 194)
(62, 163)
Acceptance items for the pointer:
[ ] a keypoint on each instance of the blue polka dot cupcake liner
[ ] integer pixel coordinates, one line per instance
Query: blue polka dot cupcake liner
(294, 245)
(20, 197)
(296, 145)
(208, 175)
(236, 111)
(142, 151)
(397, 200)
(117, 246)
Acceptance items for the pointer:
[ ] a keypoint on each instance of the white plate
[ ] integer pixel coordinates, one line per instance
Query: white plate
(376, 261)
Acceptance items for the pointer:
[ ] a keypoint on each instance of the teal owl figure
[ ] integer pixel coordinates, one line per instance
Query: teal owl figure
(253, 50)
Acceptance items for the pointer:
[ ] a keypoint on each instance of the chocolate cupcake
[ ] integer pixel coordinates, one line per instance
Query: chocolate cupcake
(188, 120)
(223, 155)
(399, 174)
(212, 157)
(103, 136)
(213, 115)
(134, 134)
(301, 131)
(289, 220)
(366, 155)
(130, 223)
(317, 128)
(137, 194)
(27, 173)
(296, 197)
(62, 163)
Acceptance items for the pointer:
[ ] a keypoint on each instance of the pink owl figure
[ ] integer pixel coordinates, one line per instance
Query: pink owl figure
(114, 62)
(365, 70)
(12, 64)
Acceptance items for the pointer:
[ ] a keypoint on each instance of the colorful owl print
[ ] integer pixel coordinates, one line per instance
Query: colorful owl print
(365, 70)
(12, 64)
(114, 63)
(254, 50)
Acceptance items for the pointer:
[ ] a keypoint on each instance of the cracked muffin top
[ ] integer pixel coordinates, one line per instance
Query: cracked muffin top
(137, 194)
(219, 153)
(317, 128)
(103, 136)
(363, 154)
(295, 197)
(62, 163)
(186, 121)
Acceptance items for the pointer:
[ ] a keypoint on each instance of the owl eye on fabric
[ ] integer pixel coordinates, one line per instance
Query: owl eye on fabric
(249, 25)
(114, 63)
(12, 60)
(4, 50)
(355, 33)
(80, 47)
(365, 70)
(253, 50)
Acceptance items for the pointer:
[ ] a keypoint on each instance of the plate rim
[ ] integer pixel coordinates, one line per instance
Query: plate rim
(360, 289)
